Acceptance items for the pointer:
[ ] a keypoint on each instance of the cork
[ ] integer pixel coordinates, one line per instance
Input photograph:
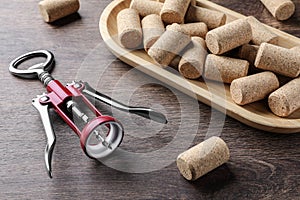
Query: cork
(198, 29)
(175, 62)
(192, 62)
(285, 100)
(146, 7)
(165, 49)
(174, 11)
(193, 2)
(278, 59)
(52, 10)
(224, 69)
(211, 18)
(248, 52)
(229, 36)
(260, 33)
(296, 48)
(129, 28)
(280, 9)
(153, 28)
(253, 88)
(203, 158)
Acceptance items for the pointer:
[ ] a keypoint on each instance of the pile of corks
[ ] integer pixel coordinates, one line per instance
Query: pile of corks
(198, 42)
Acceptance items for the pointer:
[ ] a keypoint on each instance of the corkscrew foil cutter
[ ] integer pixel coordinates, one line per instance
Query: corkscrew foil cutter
(99, 135)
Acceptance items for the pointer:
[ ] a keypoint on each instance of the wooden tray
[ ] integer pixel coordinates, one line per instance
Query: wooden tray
(216, 95)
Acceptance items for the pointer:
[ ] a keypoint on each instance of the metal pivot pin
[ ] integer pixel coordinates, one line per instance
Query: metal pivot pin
(99, 135)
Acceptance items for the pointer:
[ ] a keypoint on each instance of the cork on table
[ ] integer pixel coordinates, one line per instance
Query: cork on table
(262, 164)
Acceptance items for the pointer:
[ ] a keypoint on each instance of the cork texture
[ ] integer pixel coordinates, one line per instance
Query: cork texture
(260, 33)
(296, 48)
(248, 52)
(198, 29)
(253, 88)
(278, 59)
(211, 18)
(165, 49)
(174, 11)
(203, 158)
(193, 2)
(153, 28)
(146, 7)
(175, 62)
(280, 9)
(224, 69)
(129, 28)
(52, 10)
(192, 62)
(284, 101)
(229, 36)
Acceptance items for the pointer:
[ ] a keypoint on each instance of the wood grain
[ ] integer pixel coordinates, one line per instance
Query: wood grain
(263, 165)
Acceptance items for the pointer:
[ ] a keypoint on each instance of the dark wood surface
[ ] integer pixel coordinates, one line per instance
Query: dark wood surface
(262, 165)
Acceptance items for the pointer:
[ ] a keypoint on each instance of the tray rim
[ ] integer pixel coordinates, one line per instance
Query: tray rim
(149, 68)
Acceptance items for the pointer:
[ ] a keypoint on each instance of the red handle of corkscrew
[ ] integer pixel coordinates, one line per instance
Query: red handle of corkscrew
(99, 135)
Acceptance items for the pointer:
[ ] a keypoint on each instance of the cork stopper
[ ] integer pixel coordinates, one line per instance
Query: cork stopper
(280, 9)
(296, 48)
(229, 36)
(153, 28)
(129, 28)
(175, 62)
(52, 10)
(278, 59)
(260, 33)
(211, 18)
(146, 7)
(248, 52)
(203, 158)
(174, 11)
(253, 88)
(224, 69)
(284, 101)
(198, 29)
(164, 50)
(192, 62)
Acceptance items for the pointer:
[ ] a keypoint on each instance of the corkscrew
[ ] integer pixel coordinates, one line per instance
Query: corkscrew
(99, 134)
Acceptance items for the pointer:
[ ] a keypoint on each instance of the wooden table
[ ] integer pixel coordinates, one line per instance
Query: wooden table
(262, 165)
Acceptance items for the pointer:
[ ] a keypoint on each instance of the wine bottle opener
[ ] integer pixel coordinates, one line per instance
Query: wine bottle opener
(100, 135)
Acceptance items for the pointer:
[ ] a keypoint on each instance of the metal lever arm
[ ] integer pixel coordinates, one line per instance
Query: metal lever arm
(141, 111)
(44, 113)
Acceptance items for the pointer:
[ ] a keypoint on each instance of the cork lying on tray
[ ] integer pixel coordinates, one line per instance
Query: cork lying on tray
(260, 33)
(248, 52)
(285, 100)
(174, 11)
(153, 28)
(211, 18)
(224, 69)
(192, 29)
(192, 62)
(229, 36)
(253, 88)
(145, 8)
(165, 49)
(278, 59)
(129, 28)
